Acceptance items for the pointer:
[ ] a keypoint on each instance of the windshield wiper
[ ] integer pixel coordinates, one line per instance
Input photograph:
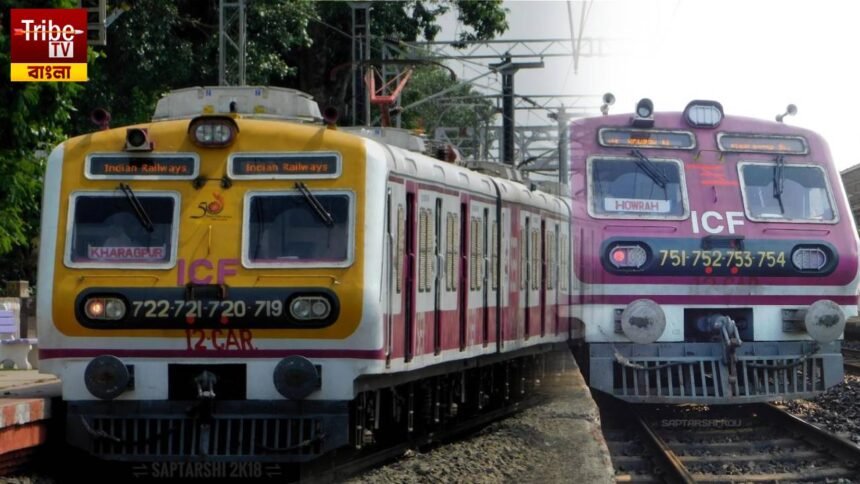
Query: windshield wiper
(142, 216)
(778, 181)
(650, 169)
(315, 204)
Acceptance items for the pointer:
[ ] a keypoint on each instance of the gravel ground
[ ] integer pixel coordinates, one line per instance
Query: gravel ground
(837, 410)
(559, 441)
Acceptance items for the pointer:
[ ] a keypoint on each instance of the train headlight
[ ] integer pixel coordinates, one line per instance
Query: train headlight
(824, 321)
(643, 321)
(310, 307)
(809, 259)
(644, 116)
(213, 131)
(137, 139)
(300, 308)
(114, 309)
(704, 114)
(105, 308)
(320, 308)
(107, 377)
(295, 377)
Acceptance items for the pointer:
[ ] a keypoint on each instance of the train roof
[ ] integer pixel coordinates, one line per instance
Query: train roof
(410, 163)
(675, 120)
(277, 103)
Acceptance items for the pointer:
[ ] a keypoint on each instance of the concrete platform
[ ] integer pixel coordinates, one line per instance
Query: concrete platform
(583, 455)
(25, 410)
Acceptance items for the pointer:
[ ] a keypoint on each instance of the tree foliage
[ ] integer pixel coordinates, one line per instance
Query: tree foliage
(461, 107)
(33, 118)
(159, 45)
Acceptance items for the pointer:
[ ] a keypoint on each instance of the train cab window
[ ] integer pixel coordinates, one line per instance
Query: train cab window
(110, 229)
(647, 188)
(786, 193)
(285, 228)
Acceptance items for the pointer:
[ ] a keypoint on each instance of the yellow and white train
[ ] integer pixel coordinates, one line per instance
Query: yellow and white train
(237, 280)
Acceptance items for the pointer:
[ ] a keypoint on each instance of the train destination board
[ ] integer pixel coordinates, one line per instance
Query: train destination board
(753, 143)
(646, 138)
(270, 166)
(151, 166)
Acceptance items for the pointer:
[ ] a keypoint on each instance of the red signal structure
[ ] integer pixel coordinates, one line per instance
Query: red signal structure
(385, 97)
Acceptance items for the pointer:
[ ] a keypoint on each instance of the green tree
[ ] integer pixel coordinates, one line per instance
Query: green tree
(158, 45)
(33, 118)
(324, 68)
(462, 107)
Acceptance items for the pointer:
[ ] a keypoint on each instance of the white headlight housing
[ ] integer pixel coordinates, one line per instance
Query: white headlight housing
(307, 308)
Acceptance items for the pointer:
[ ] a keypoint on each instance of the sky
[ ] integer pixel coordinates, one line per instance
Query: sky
(754, 57)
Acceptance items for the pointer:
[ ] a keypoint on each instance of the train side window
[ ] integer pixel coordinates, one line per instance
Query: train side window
(452, 251)
(535, 265)
(550, 258)
(479, 277)
(401, 247)
(283, 229)
(473, 254)
(635, 188)
(494, 255)
(423, 255)
(805, 195)
(523, 245)
(564, 252)
(107, 231)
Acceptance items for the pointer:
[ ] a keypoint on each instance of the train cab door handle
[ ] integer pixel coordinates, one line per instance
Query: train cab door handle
(440, 264)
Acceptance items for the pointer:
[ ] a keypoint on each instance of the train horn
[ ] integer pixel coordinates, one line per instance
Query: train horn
(101, 118)
(608, 100)
(330, 116)
(790, 110)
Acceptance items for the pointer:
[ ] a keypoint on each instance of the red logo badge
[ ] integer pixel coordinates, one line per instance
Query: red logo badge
(49, 44)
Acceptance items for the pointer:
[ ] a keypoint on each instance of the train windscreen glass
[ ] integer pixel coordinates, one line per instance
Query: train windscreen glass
(636, 188)
(787, 193)
(110, 230)
(284, 229)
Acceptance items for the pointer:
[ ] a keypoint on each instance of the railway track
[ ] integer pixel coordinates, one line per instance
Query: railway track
(851, 358)
(750, 443)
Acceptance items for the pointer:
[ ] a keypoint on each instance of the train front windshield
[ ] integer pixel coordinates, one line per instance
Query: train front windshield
(287, 228)
(630, 188)
(109, 229)
(786, 193)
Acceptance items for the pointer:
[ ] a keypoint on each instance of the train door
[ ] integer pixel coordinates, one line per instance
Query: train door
(506, 268)
(485, 295)
(391, 255)
(462, 289)
(554, 274)
(542, 275)
(525, 234)
(409, 274)
(437, 278)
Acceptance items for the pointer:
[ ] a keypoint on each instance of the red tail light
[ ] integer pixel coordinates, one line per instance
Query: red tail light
(628, 256)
